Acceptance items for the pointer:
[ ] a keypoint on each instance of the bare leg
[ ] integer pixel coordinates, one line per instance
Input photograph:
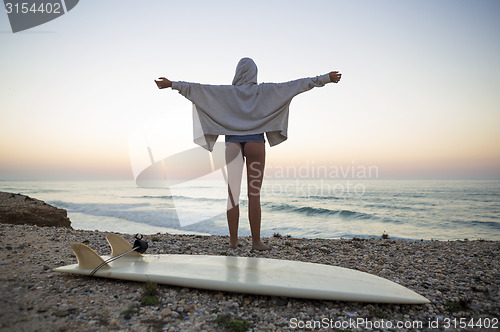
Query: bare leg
(234, 162)
(255, 153)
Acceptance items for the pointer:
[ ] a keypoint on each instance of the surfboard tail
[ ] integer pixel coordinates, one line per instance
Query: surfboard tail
(87, 258)
(120, 246)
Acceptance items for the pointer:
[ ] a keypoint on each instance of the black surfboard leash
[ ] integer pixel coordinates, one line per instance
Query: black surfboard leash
(139, 246)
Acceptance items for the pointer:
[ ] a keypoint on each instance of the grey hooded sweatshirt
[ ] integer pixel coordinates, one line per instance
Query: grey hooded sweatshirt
(244, 107)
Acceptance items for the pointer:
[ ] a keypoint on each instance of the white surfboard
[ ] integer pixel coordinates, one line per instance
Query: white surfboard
(251, 275)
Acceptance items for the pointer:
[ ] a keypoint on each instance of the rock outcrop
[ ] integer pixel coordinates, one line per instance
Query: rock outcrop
(20, 209)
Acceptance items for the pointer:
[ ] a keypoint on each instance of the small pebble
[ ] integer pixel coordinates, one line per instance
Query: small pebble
(166, 312)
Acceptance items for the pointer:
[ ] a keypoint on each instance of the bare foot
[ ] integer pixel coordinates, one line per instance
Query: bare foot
(234, 245)
(260, 246)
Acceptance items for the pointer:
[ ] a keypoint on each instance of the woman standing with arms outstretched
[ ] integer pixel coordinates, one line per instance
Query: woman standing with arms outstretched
(243, 112)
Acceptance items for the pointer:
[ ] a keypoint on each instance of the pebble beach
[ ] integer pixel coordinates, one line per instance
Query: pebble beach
(460, 278)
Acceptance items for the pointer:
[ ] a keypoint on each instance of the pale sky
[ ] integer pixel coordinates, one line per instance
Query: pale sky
(418, 97)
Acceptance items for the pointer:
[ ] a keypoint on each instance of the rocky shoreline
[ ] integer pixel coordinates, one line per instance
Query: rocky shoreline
(20, 209)
(460, 278)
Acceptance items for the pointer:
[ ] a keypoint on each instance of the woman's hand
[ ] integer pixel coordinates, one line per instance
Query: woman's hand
(335, 76)
(163, 83)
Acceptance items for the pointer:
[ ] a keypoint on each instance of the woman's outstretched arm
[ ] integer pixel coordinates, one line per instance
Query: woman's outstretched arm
(163, 83)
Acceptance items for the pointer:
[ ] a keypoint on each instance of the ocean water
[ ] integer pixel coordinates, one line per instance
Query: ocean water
(440, 210)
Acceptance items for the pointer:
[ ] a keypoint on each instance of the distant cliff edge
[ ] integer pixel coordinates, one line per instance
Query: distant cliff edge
(20, 209)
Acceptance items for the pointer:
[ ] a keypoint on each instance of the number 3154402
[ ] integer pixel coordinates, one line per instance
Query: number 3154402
(26, 8)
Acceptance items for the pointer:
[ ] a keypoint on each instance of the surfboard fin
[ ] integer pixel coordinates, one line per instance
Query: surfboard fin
(119, 245)
(87, 258)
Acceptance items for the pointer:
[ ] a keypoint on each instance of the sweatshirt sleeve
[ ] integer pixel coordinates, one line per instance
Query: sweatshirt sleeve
(194, 92)
(304, 84)
(288, 90)
(200, 94)
(182, 88)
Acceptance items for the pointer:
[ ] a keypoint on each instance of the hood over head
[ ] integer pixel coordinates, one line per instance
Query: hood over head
(246, 72)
